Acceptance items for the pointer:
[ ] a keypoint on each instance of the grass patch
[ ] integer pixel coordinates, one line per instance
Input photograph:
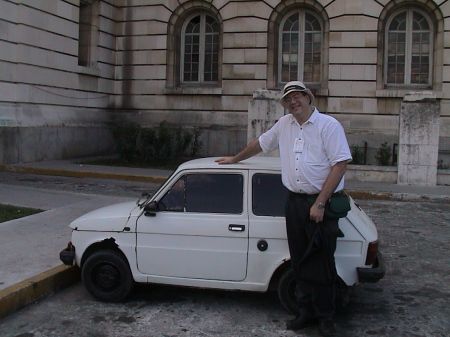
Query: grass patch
(8, 212)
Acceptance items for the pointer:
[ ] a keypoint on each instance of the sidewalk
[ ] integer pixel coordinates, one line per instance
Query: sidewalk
(30, 263)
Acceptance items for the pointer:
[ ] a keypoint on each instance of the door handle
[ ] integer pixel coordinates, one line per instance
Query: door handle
(236, 228)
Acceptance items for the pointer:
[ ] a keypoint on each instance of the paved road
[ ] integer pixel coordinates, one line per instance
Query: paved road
(118, 188)
(412, 300)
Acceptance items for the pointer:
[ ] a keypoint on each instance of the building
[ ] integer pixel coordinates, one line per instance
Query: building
(69, 69)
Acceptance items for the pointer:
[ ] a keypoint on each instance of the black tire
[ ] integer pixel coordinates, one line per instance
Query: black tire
(106, 275)
(286, 292)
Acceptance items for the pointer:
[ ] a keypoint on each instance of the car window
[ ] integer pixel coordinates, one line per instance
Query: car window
(214, 193)
(268, 195)
(205, 193)
(173, 200)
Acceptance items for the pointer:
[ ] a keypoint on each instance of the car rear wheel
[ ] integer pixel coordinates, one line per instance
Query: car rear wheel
(286, 292)
(107, 276)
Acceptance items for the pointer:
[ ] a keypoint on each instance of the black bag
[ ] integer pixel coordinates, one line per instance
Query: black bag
(315, 266)
(337, 206)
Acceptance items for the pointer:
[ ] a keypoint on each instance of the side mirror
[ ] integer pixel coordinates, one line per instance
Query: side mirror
(151, 208)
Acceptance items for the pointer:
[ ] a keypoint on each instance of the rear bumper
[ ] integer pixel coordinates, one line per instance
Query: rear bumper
(373, 274)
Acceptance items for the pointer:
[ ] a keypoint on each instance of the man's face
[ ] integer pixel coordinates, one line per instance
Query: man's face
(298, 103)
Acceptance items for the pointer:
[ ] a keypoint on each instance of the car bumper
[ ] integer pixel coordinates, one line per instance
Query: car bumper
(373, 274)
(67, 255)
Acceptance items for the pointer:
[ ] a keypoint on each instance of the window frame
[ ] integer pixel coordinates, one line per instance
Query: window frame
(202, 49)
(301, 52)
(408, 49)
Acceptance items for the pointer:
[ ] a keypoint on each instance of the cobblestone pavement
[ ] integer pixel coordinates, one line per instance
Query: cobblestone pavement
(411, 301)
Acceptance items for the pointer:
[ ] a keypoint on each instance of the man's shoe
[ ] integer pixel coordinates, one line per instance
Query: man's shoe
(326, 328)
(300, 322)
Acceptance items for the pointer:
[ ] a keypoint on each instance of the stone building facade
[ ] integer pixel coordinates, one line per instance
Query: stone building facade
(69, 69)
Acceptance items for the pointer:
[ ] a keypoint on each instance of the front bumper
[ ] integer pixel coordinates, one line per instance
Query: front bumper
(67, 254)
(373, 274)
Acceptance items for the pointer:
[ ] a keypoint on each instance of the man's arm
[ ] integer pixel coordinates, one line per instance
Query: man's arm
(333, 179)
(253, 148)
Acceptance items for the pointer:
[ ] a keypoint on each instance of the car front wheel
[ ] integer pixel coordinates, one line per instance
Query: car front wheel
(107, 276)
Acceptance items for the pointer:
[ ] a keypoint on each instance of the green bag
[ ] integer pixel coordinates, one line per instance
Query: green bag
(337, 206)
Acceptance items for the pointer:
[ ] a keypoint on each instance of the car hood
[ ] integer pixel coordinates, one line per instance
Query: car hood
(111, 218)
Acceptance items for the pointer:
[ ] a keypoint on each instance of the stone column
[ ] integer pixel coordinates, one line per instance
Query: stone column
(418, 139)
(263, 111)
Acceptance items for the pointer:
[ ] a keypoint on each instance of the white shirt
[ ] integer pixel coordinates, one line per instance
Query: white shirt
(307, 151)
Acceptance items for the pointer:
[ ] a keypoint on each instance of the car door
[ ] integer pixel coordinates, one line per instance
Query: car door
(268, 245)
(200, 230)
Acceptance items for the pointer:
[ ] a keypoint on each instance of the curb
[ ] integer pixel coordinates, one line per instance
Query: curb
(37, 287)
(371, 195)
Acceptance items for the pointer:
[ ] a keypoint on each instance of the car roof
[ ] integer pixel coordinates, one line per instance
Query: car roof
(254, 163)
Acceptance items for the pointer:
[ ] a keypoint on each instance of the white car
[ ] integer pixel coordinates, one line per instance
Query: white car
(210, 226)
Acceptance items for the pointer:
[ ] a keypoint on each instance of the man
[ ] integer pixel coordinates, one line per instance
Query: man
(314, 153)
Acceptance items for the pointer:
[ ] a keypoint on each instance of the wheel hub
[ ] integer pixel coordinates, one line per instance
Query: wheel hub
(106, 276)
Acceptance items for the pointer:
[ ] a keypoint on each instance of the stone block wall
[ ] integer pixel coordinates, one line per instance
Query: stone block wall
(132, 75)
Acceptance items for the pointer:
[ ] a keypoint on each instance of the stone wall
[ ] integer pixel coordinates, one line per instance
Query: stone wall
(131, 72)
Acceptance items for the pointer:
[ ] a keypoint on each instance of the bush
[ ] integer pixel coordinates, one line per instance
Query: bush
(357, 155)
(197, 144)
(383, 155)
(126, 138)
(154, 146)
(441, 165)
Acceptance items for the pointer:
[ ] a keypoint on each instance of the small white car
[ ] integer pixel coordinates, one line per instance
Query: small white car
(210, 226)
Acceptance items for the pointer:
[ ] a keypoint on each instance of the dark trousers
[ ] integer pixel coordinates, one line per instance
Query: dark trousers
(316, 299)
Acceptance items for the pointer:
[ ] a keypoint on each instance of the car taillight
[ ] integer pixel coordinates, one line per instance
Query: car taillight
(372, 253)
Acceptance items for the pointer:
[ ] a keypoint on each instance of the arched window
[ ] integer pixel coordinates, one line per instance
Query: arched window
(409, 49)
(200, 50)
(300, 49)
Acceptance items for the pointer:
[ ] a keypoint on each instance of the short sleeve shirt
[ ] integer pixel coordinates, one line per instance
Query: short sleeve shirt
(307, 151)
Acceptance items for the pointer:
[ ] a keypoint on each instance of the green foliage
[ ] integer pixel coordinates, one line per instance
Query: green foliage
(197, 144)
(182, 141)
(163, 144)
(144, 152)
(126, 135)
(383, 155)
(441, 165)
(154, 146)
(357, 155)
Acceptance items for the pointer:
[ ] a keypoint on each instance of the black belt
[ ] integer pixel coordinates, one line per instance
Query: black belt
(305, 195)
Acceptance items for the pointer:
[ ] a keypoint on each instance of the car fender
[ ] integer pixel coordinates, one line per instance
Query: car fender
(87, 242)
